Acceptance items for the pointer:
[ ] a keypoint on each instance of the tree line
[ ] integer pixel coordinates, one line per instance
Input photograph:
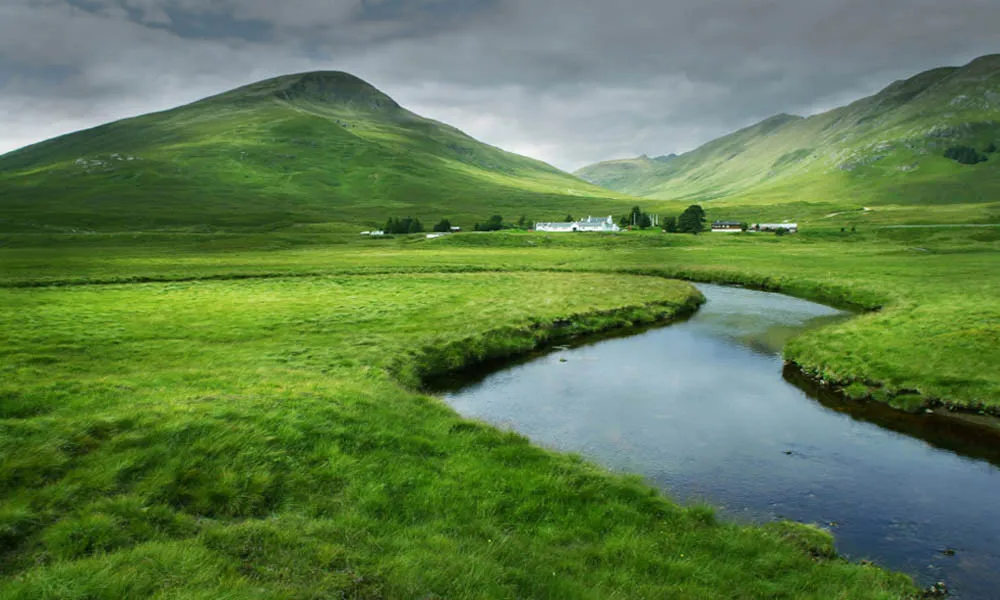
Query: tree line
(692, 220)
(396, 225)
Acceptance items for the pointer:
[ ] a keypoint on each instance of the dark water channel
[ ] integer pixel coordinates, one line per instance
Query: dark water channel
(701, 408)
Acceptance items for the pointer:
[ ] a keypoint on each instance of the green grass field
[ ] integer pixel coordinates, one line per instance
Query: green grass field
(251, 439)
(935, 336)
(192, 415)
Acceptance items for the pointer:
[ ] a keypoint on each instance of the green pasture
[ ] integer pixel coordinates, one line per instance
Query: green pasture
(251, 439)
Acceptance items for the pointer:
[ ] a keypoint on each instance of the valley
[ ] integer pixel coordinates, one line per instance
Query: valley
(213, 386)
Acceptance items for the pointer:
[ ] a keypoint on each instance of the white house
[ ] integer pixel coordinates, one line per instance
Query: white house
(606, 225)
(727, 227)
(788, 227)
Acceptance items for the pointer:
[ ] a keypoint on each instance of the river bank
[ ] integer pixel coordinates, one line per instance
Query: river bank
(701, 409)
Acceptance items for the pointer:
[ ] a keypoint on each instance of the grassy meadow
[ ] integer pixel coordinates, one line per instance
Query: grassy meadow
(236, 415)
(252, 439)
(933, 341)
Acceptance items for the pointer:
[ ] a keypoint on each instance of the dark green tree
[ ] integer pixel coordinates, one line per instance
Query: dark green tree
(991, 148)
(645, 222)
(443, 227)
(965, 155)
(623, 222)
(635, 217)
(415, 226)
(692, 220)
(569, 219)
(744, 226)
(670, 224)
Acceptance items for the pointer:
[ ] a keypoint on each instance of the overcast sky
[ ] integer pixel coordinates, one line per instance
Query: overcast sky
(567, 81)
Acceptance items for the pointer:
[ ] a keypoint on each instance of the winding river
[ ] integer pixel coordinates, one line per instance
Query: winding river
(702, 410)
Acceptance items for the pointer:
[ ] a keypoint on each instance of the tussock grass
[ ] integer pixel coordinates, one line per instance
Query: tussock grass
(249, 439)
(934, 336)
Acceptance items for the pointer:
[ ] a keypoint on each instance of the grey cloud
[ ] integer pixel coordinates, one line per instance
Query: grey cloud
(568, 81)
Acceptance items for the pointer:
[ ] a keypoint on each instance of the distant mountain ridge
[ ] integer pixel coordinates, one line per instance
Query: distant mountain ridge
(305, 149)
(886, 148)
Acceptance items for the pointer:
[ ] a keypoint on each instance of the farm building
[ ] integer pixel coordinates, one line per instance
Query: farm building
(727, 226)
(788, 227)
(606, 225)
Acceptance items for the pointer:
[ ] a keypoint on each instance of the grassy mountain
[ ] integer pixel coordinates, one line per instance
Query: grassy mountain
(887, 149)
(314, 148)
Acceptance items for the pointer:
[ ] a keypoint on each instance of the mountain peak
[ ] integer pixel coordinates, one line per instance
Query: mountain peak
(336, 87)
(326, 87)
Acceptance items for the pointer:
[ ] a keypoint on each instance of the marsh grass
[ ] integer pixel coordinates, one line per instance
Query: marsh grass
(249, 439)
(935, 333)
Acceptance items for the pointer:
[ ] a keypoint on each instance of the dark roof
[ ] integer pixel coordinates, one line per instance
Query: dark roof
(727, 223)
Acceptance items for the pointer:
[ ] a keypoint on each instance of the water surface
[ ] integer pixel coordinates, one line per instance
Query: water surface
(701, 409)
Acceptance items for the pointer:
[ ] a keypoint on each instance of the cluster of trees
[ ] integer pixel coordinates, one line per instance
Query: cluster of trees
(407, 225)
(967, 155)
(692, 220)
(412, 225)
(636, 218)
(496, 223)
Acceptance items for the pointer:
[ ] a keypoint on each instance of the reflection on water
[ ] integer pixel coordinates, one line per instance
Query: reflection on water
(701, 409)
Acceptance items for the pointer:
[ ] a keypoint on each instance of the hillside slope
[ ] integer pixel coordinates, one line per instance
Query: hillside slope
(886, 149)
(313, 148)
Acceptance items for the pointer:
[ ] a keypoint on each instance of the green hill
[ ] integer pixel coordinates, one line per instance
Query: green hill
(323, 150)
(885, 150)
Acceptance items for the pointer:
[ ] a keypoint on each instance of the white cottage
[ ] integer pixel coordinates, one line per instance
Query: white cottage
(606, 225)
(788, 227)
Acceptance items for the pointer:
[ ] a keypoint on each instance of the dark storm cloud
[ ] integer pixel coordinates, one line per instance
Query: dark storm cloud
(568, 81)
